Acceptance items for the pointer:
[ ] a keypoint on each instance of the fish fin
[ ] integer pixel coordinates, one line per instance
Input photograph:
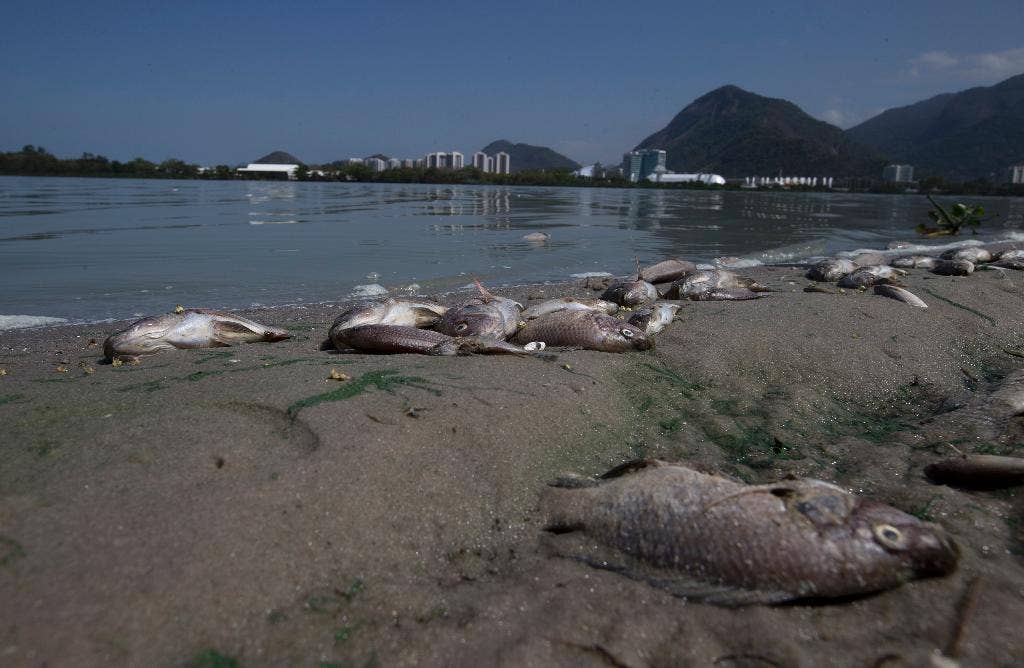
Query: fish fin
(577, 546)
(485, 294)
(631, 466)
(573, 481)
(223, 329)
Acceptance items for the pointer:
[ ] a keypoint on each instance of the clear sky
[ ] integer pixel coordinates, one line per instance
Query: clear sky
(218, 82)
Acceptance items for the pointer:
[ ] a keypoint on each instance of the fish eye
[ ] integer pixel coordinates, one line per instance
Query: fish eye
(890, 537)
(626, 333)
(461, 327)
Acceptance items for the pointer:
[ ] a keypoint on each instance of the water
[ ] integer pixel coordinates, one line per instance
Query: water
(90, 249)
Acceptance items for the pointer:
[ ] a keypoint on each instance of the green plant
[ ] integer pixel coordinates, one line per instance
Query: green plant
(949, 222)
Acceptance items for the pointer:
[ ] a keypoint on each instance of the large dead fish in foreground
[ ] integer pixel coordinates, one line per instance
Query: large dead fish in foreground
(487, 315)
(706, 537)
(193, 328)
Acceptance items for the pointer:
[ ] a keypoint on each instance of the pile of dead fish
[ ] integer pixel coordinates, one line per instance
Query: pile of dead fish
(884, 278)
(626, 317)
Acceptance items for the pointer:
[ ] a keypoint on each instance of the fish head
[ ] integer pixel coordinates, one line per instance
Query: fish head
(275, 334)
(621, 335)
(143, 337)
(362, 313)
(924, 548)
(474, 320)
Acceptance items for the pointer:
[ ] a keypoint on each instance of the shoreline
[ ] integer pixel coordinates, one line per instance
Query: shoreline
(238, 502)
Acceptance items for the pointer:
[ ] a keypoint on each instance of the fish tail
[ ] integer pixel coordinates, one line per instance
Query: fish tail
(484, 292)
(564, 503)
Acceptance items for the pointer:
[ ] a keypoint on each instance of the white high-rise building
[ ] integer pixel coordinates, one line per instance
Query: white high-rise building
(489, 165)
(480, 161)
(408, 163)
(376, 164)
(394, 163)
(456, 160)
(502, 163)
(1017, 174)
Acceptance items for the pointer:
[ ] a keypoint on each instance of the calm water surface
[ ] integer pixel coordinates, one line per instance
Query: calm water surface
(89, 249)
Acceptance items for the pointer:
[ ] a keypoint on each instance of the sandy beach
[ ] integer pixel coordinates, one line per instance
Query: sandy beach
(234, 504)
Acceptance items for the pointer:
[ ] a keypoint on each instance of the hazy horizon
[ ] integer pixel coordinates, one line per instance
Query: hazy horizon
(216, 83)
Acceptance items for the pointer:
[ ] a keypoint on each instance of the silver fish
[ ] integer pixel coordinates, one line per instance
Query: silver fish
(831, 270)
(569, 304)
(390, 311)
(584, 329)
(653, 319)
(192, 328)
(713, 285)
(899, 294)
(868, 276)
(971, 254)
(953, 268)
(915, 262)
(666, 271)
(631, 293)
(404, 339)
(1011, 259)
(706, 537)
(486, 315)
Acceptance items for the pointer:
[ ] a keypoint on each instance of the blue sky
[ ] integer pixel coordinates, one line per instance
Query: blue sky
(216, 82)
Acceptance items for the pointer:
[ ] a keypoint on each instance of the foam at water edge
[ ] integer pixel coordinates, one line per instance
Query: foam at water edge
(23, 321)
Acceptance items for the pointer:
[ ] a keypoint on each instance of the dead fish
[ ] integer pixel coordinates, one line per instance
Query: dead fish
(972, 254)
(405, 339)
(192, 328)
(867, 276)
(706, 537)
(486, 315)
(831, 270)
(1011, 259)
(666, 271)
(899, 294)
(915, 262)
(631, 293)
(569, 304)
(953, 267)
(584, 329)
(536, 236)
(978, 471)
(390, 311)
(714, 284)
(653, 319)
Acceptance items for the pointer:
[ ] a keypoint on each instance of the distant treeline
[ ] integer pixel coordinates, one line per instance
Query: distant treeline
(37, 161)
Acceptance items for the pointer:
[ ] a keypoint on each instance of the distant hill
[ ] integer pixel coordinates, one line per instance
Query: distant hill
(736, 133)
(527, 157)
(278, 158)
(975, 133)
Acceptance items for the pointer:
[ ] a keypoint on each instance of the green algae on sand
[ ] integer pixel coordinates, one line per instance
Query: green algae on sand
(384, 379)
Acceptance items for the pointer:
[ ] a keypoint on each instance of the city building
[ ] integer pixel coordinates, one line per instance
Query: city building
(1017, 174)
(394, 163)
(376, 164)
(489, 165)
(671, 177)
(480, 161)
(269, 169)
(502, 163)
(898, 174)
(637, 165)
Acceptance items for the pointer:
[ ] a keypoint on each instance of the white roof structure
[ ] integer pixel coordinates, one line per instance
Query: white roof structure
(266, 167)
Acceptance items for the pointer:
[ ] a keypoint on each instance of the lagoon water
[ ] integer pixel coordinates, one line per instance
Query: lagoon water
(91, 249)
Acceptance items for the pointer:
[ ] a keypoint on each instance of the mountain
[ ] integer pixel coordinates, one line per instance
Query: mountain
(278, 158)
(975, 133)
(736, 133)
(525, 156)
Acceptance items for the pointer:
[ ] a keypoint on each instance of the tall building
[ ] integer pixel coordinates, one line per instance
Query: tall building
(637, 165)
(456, 160)
(489, 164)
(1017, 174)
(376, 164)
(502, 163)
(480, 161)
(394, 163)
(898, 174)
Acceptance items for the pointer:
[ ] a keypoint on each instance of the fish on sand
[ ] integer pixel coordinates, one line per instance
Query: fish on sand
(707, 537)
(831, 269)
(584, 329)
(390, 311)
(899, 294)
(957, 267)
(569, 304)
(715, 285)
(667, 271)
(405, 339)
(914, 262)
(978, 471)
(652, 319)
(631, 293)
(865, 277)
(487, 315)
(191, 328)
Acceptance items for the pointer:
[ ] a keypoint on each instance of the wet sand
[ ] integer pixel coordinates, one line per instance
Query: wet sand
(234, 503)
